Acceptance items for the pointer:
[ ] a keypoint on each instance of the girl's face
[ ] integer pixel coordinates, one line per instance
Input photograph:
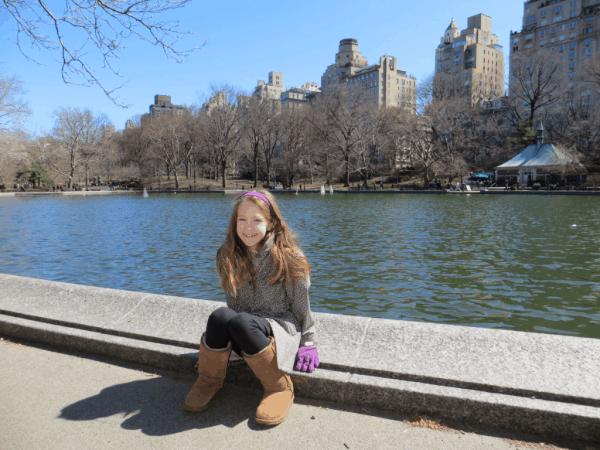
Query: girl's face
(252, 225)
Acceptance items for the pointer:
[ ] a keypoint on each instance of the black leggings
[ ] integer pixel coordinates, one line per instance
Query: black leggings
(246, 332)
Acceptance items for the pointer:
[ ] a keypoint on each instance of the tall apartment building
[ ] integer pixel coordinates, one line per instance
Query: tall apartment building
(218, 100)
(383, 83)
(471, 61)
(295, 97)
(271, 90)
(560, 31)
(163, 106)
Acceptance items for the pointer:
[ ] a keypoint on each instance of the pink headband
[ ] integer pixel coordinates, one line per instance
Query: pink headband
(256, 194)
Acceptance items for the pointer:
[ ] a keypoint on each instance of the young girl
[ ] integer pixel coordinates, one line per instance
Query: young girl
(265, 277)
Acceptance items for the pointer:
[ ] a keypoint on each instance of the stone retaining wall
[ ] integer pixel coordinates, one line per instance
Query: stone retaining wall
(537, 383)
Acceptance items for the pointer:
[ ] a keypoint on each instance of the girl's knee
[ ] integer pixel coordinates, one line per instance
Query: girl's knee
(239, 322)
(221, 315)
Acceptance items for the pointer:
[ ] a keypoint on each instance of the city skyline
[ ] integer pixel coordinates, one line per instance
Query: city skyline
(243, 52)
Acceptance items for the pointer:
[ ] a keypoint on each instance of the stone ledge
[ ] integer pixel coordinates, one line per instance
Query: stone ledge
(469, 374)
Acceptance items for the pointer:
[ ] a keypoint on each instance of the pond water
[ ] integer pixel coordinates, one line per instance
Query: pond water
(511, 262)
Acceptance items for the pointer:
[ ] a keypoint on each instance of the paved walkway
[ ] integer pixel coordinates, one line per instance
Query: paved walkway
(56, 400)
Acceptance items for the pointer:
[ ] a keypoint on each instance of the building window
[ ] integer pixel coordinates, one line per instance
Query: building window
(544, 22)
(572, 55)
(562, 37)
(588, 20)
(544, 13)
(571, 65)
(573, 44)
(557, 18)
(529, 36)
(587, 41)
(542, 33)
(573, 24)
(573, 14)
(588, 30)
(587, 51)
(558, 9)
(573, 4)
(561, 27)
(515, 40)
(552, 49)
(529, 46)
(571, 74)
(530, 19)
(552, 30)
(561, 47)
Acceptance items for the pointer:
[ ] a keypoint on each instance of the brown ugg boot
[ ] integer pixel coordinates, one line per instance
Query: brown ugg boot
(279, 389)
(212, 367)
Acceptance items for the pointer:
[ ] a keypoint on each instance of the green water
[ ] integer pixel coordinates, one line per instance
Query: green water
(512, 262)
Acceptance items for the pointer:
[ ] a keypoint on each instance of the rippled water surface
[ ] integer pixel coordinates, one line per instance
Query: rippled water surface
(512, 262)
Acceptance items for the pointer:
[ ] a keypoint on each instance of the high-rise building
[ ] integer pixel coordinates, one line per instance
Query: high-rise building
(562, 32)
(271, 90)
(295, 97)
(383, 83)
(219, 100)
(470, 62)
(163, 106)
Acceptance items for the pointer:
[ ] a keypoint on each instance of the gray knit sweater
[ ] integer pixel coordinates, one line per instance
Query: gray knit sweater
(285, 307)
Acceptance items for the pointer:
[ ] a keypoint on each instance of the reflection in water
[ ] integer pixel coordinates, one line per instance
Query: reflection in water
(491, 261)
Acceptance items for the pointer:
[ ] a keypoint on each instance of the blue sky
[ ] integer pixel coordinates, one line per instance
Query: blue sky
(245, 42)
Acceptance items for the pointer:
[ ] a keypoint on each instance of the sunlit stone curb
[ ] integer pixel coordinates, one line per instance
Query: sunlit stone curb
(528, 382)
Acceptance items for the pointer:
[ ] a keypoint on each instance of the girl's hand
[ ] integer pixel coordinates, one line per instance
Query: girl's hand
(308, 359)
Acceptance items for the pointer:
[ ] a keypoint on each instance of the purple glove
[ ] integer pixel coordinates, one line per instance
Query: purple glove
(308, 358)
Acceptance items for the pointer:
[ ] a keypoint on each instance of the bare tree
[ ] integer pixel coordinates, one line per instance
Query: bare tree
(339, 118)
(223, 124)
(592, 75)
(77, 134)
(101, 25)
(168, 139)
(259, 114)
(534, 84)
(422, 141)
(576, 122)
(270, 142)
(369, 148)
(295, 137)
(13, 109)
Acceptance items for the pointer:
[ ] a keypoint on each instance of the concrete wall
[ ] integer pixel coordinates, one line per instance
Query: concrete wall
(536, 383)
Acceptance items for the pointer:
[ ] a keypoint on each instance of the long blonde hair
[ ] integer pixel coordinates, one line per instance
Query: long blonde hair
(234, 259)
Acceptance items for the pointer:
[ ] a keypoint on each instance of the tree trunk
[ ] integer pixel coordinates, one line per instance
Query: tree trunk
(224, 166)
(426, 178)
(176, 179)
(255, 168)
(347, 169)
